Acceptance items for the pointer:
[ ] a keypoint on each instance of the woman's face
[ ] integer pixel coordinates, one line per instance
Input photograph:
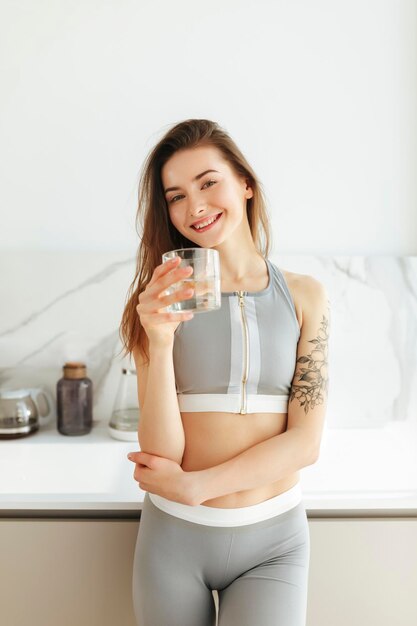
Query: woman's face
(199, 195)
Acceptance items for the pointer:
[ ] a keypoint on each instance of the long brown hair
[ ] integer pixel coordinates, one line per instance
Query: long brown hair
(159, 234)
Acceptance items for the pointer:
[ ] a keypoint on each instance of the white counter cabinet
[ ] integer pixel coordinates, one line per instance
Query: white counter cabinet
(77, 572)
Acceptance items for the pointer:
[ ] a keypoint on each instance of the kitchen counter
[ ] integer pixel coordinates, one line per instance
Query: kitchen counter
(52, 475)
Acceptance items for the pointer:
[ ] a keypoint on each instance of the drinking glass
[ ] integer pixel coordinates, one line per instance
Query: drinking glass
(205, 280)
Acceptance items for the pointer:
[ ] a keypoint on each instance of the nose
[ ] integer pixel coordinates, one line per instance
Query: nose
(197, 211)
(197, 208)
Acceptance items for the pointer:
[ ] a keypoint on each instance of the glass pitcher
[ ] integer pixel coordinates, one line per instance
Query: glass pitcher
(124, 421)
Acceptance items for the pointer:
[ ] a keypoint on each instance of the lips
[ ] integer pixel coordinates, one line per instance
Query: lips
(204, 228)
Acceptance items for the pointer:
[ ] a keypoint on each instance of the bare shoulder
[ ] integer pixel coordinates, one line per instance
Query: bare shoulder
(306, 292)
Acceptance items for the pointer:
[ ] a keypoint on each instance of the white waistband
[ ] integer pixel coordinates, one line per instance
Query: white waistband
(213, 516)
(231, 402)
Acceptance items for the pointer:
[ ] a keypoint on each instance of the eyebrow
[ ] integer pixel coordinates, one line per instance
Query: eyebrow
(196, 178)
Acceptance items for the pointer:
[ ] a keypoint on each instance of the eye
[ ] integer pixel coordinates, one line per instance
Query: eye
(209, 181)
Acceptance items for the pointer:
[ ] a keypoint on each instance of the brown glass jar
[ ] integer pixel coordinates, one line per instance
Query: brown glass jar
(74, 400)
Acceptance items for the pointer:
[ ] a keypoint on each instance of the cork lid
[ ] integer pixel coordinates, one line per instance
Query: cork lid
(75, 369)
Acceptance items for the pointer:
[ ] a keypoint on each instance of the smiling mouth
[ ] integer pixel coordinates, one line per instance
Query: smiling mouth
(204, 228)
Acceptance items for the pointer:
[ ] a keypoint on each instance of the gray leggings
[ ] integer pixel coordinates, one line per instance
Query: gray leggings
(260, 571)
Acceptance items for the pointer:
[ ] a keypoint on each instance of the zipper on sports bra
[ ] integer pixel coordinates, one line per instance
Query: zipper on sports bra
(243, 403)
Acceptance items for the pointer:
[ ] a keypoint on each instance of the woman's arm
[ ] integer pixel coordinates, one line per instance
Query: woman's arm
(262, 464)
(299, 445)
(160, 430)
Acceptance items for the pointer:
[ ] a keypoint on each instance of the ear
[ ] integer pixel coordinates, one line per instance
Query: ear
(249, 190)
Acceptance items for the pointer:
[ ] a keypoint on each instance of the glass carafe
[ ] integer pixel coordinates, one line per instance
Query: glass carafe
(125, 417)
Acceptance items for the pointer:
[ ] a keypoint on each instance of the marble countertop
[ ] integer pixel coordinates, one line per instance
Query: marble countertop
(49, 473)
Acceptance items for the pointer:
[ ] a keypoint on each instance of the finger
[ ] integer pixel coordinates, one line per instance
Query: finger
(132, 456)
(154, 304)
(160, 286)
(164, 317)
(161, 316)
(156, 288)
(164, 268)
(157, 298)
(177, 296)
(139, 472)
(172, 277)
(142, 458)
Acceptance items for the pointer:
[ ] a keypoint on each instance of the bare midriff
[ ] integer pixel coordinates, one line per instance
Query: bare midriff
(214, 437)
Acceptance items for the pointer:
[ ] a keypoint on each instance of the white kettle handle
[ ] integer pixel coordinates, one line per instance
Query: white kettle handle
(50, 402)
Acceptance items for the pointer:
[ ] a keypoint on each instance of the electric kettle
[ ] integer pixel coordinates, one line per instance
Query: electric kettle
(23, 410)
(124, 421)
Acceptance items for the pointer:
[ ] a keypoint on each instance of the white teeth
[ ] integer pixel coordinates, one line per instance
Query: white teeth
(206, 223)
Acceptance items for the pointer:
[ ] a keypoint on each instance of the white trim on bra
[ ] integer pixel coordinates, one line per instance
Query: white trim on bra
(231, 402)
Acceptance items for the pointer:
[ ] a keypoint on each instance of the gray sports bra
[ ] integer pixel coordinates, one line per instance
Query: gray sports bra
(240, 358)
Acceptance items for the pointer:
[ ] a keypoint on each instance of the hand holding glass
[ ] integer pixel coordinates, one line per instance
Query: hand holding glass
(205, 280)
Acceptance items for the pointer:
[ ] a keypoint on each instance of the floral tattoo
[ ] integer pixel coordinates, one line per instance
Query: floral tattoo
(313, 379)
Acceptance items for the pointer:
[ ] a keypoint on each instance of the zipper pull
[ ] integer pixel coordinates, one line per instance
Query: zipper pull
(240, 296)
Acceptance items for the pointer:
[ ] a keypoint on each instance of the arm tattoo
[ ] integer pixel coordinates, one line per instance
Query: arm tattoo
(313, 379)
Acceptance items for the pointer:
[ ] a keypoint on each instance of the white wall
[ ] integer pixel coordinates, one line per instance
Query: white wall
(321, 97)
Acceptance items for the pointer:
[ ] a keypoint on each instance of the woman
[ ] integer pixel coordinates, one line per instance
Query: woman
(231, 408)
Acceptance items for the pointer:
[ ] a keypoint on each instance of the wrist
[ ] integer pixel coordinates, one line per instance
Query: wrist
(161, 345)
(200, 486)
